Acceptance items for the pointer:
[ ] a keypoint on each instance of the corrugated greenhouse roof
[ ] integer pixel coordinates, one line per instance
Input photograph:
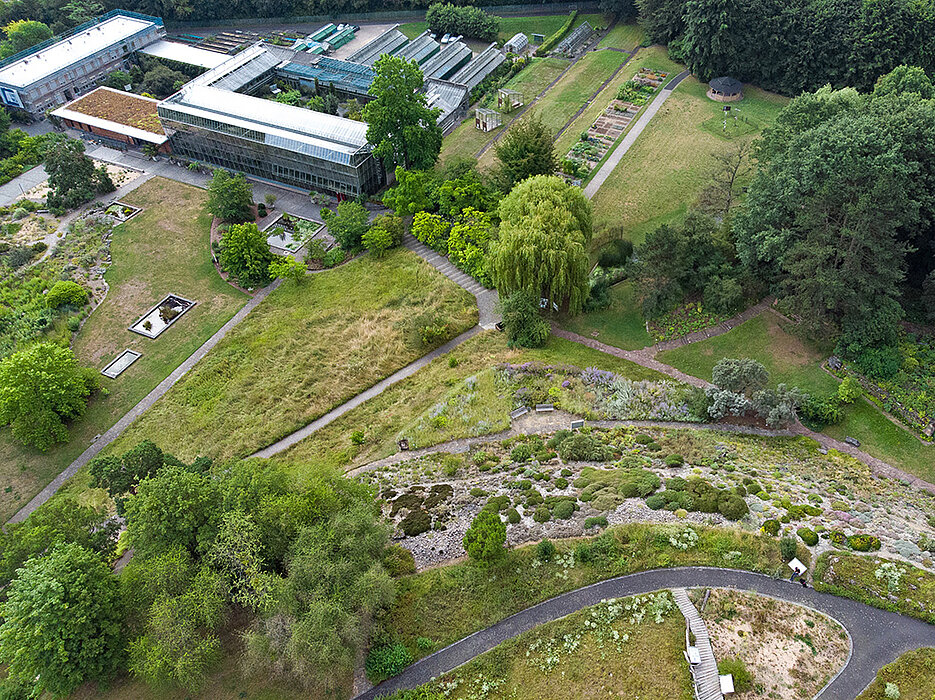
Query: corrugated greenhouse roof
(443, 64)
(420, 49)
(479, 68)
(331, 71)
(295, 128)
(240, 69)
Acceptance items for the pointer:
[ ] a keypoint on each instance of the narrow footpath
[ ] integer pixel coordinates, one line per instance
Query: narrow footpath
(877, 637)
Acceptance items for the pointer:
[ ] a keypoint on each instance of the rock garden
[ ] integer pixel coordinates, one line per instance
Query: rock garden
(563, 484)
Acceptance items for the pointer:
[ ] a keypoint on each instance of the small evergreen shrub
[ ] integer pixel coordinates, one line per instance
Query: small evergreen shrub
(595, 521)
(545, 551)
(564, 510)
(863, 543)
(542, 514)
(808, 536)
(787, 548)
(386, 661)
(675, 460)
(771, 527)
(512, 516)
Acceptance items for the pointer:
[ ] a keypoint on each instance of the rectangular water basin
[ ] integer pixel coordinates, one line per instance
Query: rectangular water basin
(120, 363)
(162, 315)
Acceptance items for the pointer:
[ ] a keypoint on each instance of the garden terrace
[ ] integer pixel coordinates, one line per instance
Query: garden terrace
(305, 349)
(164, 247)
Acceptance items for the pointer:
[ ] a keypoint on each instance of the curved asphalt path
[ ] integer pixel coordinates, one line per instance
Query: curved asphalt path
(877, 637)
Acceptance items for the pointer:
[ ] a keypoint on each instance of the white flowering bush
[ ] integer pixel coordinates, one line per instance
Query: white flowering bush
(891, 573)
(684, 539)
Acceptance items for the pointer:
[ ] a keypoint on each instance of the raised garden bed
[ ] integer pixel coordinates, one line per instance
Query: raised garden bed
(161, 316)
(122, 212)
(120, 363)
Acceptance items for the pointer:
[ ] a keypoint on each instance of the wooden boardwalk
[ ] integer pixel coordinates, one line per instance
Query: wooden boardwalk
(707, 681)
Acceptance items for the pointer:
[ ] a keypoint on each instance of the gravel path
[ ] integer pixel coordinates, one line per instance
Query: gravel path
(114, 432)
(877, 637)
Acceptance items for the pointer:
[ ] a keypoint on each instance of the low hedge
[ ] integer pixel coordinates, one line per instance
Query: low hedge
(552, 41)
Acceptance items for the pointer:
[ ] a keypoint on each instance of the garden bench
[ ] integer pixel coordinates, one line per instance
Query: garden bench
(517, 412)
(854, 442)
(544, 407)
(576, 424)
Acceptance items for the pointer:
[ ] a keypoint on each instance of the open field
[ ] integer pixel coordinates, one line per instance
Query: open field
(567, 96)
(620, 324)
(665, 170)
(623, 36)
(307, 348)
(162, 250)
(913, 674)
(650, 664)
(793, 361)
(466, 140)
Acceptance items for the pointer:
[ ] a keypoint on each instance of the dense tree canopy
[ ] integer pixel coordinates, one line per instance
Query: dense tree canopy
(21, 34)
(40, 388)
(73, 179)
(841, 215)
(401, 126)
(794, 46)
(526, 150)
(230, 197)
(62, 621)
(245, 254)
(445, 18)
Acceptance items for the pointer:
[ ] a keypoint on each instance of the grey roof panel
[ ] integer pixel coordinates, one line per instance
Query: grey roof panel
(389, 42)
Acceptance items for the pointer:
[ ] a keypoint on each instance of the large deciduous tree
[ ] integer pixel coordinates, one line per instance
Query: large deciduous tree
(230, 197)
(62, 621)
(401, 125)
(73, 179)
(22, 34)
(526, 150)
(347, 224)
(245, 254)
(40, 388)
(544, 231)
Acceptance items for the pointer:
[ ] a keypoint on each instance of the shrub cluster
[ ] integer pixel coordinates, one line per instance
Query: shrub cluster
(808, 536)
(696, 494)
(445, 18)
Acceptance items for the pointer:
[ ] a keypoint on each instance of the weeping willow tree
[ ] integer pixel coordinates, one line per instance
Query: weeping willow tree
(545, 229)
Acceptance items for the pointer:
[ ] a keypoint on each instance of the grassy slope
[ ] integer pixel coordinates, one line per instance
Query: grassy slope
(164, 249)
(466, 140)
(383, 417)
(913, 673)
(620, 324)
(641, 194)
(624, 36)
(448, 603)
(567, 96)
(650, 665)
(792, 361)
(305, 349)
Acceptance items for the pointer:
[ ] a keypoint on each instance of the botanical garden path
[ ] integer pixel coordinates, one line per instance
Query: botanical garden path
(617, 155)
(877, 637)
(646, 358)
(114, 432)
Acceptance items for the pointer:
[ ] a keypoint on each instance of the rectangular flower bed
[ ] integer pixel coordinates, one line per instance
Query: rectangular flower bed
(161, 316)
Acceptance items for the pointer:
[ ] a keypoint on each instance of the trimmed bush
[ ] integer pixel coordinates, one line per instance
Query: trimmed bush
(808, 536)
(732, 506)
(656, 501)
(863, 543)
(545, 551)
(595, 521)
(771, 527)
(642, 439)
(66, 292)
(561, 483)
(521, 453)
(542, 514)
(417, 522)
(564, 510)
(675, 460)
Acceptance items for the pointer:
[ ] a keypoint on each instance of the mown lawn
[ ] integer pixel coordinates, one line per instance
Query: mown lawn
(793, 361)
(382, 418)
(570, 93)
(163, 250)
(307, 348)
(913, 673)
(624, 36)
(662, 174)
(466, 140)
(649, 665)
(620, 324)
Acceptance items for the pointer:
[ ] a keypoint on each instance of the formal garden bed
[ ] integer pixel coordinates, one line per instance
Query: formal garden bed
(558, 484)
(604, 131)
(774, 649)
(685, 319)
(288, 234)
